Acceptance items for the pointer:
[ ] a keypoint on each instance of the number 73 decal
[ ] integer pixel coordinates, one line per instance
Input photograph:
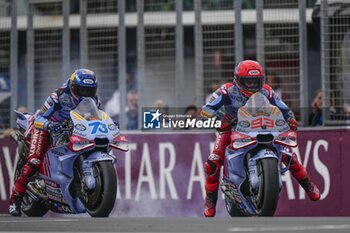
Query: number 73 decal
(101, 127)
(262, 122)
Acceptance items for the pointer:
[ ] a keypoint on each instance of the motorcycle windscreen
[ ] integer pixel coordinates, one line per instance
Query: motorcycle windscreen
(259, 115)
(87, 109)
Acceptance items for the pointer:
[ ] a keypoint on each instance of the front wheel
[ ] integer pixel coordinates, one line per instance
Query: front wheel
(99, 202)
(267, 195)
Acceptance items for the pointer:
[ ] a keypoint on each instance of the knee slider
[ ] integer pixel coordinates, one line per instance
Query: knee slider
(211, 167)
(287, 159)
(34, 162)
(294, 159)
(28, 170)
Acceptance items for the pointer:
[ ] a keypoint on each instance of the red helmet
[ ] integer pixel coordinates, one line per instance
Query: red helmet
(249, 77)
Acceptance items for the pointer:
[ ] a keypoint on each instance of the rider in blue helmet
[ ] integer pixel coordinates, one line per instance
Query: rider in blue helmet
(56, 109)
(83, 83)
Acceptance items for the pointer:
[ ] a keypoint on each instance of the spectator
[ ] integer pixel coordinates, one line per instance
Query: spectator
(192, 111)
(213, 87)
(7, 133)
(274, 81)
(112, 107)
(132, 110)
(315, 117)
(162, 106)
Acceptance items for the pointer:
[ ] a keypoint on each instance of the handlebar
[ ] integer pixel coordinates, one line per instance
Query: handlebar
(67, 125)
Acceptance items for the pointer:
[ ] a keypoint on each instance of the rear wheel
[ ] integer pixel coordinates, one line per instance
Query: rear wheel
(32, 208)
(232, 208)
(267, 195)
(29, 206)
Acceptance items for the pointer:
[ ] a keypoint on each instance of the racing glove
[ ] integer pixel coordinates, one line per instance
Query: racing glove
(227, 122)
(54, 127)
(116, 124)
(293, 124)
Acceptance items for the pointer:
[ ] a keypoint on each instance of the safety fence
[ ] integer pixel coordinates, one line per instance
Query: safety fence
(281, 52)
(334, 23)
(5, 82)
(166, 53)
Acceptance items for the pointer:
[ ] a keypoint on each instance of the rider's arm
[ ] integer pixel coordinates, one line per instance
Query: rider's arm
(50, 106)
(215, 102)
(286, 111)
(98, 102)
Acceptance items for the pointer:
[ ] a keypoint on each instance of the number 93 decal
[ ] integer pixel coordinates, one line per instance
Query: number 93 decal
(262, 122)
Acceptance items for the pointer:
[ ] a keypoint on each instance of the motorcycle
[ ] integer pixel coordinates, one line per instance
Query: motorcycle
(77, 173)
(252, 172)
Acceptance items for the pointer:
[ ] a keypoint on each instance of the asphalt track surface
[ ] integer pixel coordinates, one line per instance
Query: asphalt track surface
(75, 224)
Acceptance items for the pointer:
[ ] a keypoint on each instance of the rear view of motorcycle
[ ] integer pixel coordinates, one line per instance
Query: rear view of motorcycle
(252, 171)
(77, 174)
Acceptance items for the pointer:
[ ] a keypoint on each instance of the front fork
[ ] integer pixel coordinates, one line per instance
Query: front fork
(88, 174)
(87, 167)
(253, 172)
(253, 169)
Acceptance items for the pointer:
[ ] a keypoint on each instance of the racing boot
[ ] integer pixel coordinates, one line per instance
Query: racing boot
(311, 189)
(212, 169)
(15, 204)
(19, 189)
(300, 174)
(210, 204)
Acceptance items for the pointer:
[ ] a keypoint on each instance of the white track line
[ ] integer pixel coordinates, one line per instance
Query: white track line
(296, 228)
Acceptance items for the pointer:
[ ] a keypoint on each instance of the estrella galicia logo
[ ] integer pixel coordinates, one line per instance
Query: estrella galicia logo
(151, 120)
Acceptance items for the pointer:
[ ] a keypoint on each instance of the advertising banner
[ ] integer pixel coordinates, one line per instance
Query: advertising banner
(162, 175)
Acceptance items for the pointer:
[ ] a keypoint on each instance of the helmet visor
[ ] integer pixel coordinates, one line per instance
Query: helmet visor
(253, 84)
(84, 91)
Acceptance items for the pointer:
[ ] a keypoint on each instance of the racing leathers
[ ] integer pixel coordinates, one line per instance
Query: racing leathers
(55, 110)
(224, 103)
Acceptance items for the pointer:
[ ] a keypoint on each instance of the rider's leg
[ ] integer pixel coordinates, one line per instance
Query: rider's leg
(300, 174)
(212, 169)
(39, 142)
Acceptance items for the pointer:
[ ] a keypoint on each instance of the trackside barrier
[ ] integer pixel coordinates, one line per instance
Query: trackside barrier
(162, 175)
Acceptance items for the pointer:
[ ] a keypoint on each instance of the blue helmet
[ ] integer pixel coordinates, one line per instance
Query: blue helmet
(83, 83)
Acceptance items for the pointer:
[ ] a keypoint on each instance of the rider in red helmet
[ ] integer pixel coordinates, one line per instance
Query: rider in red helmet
(248, 79)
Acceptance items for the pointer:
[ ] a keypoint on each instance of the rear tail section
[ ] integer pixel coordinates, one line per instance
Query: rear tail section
(22, 120)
